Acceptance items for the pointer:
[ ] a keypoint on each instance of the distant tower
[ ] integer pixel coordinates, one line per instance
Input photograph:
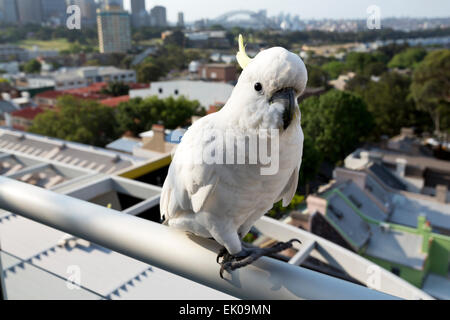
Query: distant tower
(114, 33)
(114, 3)
(8, 11)
(180, 22)
(158, 16)
(138, 13)
(53, 9)
(30, 11)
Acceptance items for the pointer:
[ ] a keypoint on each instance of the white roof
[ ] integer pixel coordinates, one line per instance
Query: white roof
(206, 92)
(35, 267)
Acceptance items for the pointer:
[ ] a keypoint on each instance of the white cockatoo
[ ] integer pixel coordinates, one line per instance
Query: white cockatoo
(222, 199)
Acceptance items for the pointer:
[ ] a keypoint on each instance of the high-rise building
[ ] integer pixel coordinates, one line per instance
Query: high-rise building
(8, 11)
(180, 22)
(114, 32)
(53, 9)
(108, 3)
(138, 13)
(158, 16)
(30, 11)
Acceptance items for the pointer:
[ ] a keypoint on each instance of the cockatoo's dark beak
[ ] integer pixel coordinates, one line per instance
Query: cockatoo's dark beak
(286, 97)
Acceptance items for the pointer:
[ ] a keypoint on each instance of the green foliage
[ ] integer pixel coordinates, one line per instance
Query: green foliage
(139, 115)
(169, 57)
(311, 161)
(316, 76)
(278, 210)
(77, 120)
(334, 68)
(367, 64)
(116, 89)
(32, 66)
(337, 122)
(149, 72)
(3, 80)
(176, 38)
(409, 58)
(431, 86)
(388, 101)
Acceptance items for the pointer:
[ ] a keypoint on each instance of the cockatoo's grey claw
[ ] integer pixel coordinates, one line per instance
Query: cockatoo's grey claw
(249, 255)
(221, 254)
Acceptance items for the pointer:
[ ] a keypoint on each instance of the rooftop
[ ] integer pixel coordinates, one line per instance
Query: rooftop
(59, 151)
(27, 113)
(396, 246)
(33, 259)
(114, 101)
(7, 106)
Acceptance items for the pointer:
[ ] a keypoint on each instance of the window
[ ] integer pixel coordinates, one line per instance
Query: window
(176, 92)
(160, 90)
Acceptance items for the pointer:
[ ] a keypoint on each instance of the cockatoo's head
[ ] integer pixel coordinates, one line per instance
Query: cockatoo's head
(267, 90)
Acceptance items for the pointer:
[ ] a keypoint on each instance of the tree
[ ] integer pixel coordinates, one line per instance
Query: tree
(367, 64)
(83, 121)
(149, 72)
(336, 122)
(32, 66)
(139, 115)
(409, 58)
(177, 38)
(334, 68)
(316, 76)
(311, 162)
(431, 86)
(116, 89)
(389, 102)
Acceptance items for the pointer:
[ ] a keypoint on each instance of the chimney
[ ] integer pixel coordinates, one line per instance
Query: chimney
(441, 193)
(364, 155)
(316, 204)
(407, 132)
(6, 96)
(401, 166)
(157, 142)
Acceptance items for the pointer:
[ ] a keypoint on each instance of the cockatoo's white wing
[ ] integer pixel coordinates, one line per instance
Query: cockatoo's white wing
(287, 194)
(189, 182)
(291, 187)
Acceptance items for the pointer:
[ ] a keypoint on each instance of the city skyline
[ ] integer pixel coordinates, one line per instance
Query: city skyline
(345, 9)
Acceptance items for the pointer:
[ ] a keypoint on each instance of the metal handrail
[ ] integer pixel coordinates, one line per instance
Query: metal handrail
(188, 256)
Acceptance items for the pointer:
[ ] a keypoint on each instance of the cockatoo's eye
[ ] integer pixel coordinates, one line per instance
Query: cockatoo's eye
(258, 86)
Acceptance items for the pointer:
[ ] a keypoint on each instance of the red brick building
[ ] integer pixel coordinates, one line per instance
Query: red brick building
(23, 119)
(217, 72)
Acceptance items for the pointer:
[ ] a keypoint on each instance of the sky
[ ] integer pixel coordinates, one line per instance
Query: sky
(306, 9)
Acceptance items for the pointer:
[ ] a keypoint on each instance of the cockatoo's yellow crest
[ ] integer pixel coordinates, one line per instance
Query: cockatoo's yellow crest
(242, 57)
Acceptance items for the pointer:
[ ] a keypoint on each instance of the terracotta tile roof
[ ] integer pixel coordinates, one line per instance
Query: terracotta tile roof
(51, 94)
(28, 113)
(115, 101)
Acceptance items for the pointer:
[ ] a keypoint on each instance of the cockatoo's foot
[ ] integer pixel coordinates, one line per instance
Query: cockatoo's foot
(249, 255)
